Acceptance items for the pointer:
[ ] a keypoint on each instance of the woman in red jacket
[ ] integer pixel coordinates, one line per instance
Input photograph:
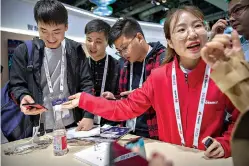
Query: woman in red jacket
(190, 107)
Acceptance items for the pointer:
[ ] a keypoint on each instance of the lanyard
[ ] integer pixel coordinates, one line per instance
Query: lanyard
(97, 119)
(131, 123)
(200, 106)
(50, 87)
(104, 75)
(131, 75)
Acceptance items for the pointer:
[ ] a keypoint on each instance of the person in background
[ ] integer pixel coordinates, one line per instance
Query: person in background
(190, 107)
(104, 67)
(141, 57)
(238, 11)
(231, 74)
(54, 57)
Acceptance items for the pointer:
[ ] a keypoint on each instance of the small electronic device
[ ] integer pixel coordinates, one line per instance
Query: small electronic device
(33, 105)
(208, 142)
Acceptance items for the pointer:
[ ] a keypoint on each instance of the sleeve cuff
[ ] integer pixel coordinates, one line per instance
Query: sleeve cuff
(81, 104)
(88, 115)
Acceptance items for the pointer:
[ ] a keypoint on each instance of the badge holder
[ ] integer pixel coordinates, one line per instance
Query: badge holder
(56, 102)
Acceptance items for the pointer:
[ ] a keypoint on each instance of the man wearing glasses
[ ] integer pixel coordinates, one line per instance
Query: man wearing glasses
(238, 17)
(140, 58)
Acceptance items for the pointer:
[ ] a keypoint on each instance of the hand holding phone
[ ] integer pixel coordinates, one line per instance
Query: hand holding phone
(29, 107)
(214, 148)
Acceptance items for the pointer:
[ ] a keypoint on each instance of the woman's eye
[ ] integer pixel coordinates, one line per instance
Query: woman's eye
(181, 30)
(198, 25)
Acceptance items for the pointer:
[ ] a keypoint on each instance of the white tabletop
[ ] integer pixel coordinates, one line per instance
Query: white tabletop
(181, 156)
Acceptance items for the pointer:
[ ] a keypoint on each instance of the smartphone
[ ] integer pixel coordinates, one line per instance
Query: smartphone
(208, 142)
(121, 156)
(33, 105)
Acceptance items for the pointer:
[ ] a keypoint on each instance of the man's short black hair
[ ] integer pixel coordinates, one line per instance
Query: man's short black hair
(98, 25)
(125, 26)
(50, 12)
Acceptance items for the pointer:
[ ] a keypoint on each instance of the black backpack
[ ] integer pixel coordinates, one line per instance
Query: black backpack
(14, 124)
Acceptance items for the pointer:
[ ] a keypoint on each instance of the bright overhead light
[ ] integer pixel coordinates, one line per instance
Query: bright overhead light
(113, 20)
(102, 8)
(103, 11)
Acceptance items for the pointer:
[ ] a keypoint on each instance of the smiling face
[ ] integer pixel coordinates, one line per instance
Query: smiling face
(96, 44)
(52, 34)
(187, 35)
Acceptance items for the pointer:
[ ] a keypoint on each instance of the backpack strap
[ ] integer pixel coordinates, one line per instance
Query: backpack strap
(162, 56)
(29, 45)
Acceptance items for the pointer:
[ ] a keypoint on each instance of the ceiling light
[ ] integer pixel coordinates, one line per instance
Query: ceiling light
(102, 8)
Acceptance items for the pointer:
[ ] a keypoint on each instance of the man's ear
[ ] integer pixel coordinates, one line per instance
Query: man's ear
(66, 27)
(140, 37)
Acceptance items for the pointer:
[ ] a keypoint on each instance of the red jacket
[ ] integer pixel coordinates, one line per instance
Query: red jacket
(157, 92)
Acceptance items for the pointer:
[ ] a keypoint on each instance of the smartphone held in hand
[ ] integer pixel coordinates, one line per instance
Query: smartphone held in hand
(33, 105)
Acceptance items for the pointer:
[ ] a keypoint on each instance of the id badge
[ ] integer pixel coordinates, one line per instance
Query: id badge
(56, 104)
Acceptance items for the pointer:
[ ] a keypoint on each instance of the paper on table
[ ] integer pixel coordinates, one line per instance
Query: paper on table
(96, 155)
(72, 133)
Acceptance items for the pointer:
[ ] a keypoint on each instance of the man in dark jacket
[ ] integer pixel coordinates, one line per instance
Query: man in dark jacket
(128, 38)
(104, 67)
(60, 69)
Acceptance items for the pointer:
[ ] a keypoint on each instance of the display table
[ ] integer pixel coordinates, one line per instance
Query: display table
(181, 156)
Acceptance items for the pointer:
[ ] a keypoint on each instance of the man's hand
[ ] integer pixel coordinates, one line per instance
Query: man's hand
(219, 27)
(34, 111)
(221, 48)
(85, 124)
(215, 150)
(73, 103)
(108, 95)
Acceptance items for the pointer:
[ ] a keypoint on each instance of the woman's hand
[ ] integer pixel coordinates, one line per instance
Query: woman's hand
(72, 103)
(215, 150)
(221, 49)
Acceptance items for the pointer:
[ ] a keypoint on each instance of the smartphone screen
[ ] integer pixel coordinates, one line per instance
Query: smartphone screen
(121, 156)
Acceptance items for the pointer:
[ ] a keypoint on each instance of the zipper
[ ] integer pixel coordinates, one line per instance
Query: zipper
(186, 77)
(186, 121)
